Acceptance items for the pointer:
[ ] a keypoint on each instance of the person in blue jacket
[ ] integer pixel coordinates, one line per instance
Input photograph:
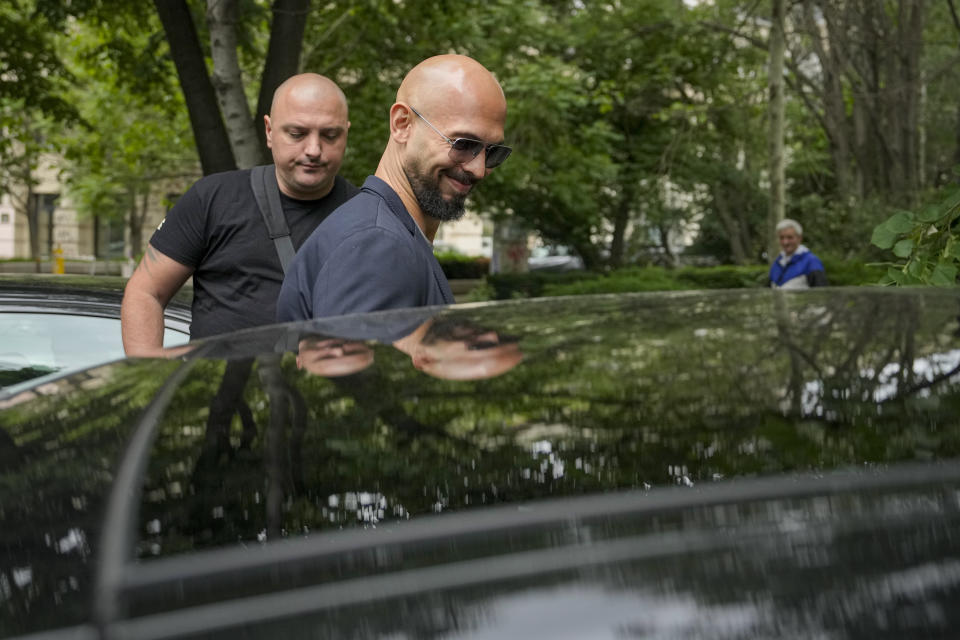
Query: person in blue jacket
(796, 267)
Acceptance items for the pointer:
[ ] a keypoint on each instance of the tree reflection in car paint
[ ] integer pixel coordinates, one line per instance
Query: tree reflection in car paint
(58, 454)
(683, 400)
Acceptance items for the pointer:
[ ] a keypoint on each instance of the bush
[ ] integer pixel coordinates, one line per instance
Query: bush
(847, 274)
(505, 286)
(724, 277)
(621, 281)
(540, 283)
(457, 266)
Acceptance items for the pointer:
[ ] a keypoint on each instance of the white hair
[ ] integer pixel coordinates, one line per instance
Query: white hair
(787, 223)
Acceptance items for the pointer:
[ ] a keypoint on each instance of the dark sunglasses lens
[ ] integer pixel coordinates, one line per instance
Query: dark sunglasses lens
(496, 154)
(464, 147)
(465, 150)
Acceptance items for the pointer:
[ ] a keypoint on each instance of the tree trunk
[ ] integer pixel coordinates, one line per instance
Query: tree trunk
(228, 82)
(869, 53)
(213, 143)
(911, 49)
(135, 219)
(33, 225)
(775, 139)
(589, 252)
(834, 103)
(956, 152)
(621, 219)
(283, 58)
(833, 57)
(664, 233)
(730, 224)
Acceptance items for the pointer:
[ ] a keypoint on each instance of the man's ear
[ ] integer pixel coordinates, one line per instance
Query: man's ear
(401, 122)
(267, 128)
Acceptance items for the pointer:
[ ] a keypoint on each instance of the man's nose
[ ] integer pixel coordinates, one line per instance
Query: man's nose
(477, 166)
(313, 148)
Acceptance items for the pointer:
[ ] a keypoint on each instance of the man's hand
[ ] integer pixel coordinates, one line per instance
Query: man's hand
(148, 291)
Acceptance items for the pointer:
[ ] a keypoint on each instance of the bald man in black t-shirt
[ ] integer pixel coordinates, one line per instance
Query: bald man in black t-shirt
(216, 233)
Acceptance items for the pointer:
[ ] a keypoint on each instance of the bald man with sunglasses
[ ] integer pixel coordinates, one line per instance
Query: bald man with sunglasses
(375, 252)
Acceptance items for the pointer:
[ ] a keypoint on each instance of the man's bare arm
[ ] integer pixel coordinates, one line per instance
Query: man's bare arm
(148, 291)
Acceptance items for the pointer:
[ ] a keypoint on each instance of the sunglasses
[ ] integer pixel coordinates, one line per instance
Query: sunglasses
(466, 149)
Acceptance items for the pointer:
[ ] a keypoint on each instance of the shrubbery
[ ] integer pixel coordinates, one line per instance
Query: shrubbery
(457, 266)
(848, 274)
(724, 276)
(541, 283)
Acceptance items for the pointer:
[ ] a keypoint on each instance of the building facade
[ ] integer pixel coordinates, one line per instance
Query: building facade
(58, 226)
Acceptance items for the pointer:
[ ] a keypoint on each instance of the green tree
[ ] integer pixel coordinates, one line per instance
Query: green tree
(218, 107)
(133, 140)
(32, 79)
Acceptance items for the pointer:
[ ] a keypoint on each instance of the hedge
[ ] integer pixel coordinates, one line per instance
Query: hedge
(540, 283)
(460, 267)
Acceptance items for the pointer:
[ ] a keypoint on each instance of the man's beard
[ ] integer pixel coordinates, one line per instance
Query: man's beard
(431, 201)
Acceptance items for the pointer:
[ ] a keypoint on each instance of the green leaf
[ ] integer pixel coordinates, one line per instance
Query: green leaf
(944, 275)
(953, 249)
(914, 269)
(883, 237)
(897, 276)
(951, 202)
(886, 233)
(931, 213)
(903, 248)
(900, 222)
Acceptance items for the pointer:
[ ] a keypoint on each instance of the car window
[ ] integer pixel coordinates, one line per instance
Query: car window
(37, 344)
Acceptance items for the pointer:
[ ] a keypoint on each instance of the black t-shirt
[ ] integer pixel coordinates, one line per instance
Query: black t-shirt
(217, 229)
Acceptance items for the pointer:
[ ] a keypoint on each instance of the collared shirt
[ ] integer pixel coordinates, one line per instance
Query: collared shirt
(368, 255)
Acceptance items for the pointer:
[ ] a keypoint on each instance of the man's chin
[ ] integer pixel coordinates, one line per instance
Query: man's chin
(447, 214)
(314, 185)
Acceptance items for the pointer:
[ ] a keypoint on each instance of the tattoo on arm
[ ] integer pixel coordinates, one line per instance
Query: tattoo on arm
(149, 257)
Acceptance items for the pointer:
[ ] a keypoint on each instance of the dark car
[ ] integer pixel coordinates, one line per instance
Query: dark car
(50, 325)
(727, 464)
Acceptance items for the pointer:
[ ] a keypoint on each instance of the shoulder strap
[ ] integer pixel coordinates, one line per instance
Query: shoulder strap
(263, 179)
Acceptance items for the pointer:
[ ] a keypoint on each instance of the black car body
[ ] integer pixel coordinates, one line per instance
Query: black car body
(51, 325)
(736, 464)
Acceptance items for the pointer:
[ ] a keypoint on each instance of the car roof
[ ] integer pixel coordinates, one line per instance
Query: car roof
(55, 324)
(644, 421)
(84, 295)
